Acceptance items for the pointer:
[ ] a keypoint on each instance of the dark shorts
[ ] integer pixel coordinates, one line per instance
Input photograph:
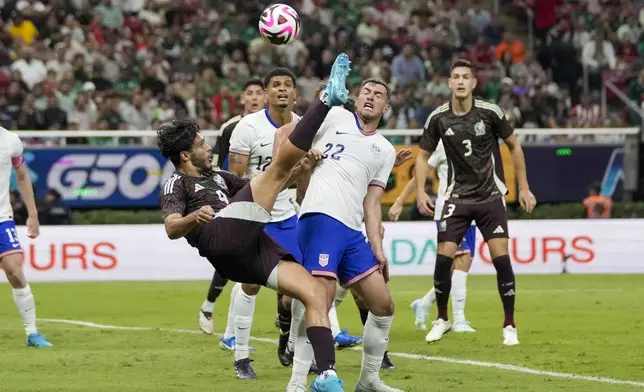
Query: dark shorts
(237, 246)
(491, 219)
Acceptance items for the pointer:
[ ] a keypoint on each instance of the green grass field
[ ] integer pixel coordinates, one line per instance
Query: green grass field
(579, 325)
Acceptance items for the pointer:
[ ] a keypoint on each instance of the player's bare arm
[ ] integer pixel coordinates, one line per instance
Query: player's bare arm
(526, 198)
(178, 226)
(372, 205)
(402, 156)
(425, 203)
(27, 192)
(397, 207)
(237, 163)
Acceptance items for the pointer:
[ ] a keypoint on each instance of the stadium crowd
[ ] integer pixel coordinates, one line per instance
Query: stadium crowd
(117, 64)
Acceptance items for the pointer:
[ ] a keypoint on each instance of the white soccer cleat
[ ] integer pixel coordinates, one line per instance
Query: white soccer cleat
(440, 328)
(420, 314)
(380, 386)
(205, 322)
(510, 336)
(462, 327)
(296, 388)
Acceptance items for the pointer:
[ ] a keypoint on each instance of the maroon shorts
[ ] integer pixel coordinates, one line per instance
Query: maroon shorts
(235, 242)
(491, 219)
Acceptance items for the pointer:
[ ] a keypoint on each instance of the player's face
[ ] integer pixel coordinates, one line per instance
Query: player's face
(372, 101)
(462, 82)
(281, 91)
(253, 99)
(201, 154)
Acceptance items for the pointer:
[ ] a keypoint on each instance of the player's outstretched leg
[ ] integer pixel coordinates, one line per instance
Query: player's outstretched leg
(364, 316)
(293, 280)
(217, 284)
(244, 310)
(22, 297)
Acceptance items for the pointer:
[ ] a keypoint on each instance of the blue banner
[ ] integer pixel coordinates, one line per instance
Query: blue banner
(124, 178)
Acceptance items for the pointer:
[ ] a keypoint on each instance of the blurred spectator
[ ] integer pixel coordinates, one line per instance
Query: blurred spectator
(407, 68)
(512, 47)
(587, 114)
(19, 208)
(22, 30)
(597, 206)
(597, 56)
(52, 211)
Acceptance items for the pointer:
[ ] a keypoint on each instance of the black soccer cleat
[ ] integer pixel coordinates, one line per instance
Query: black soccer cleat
(277, 321)
(283, 353)
(314, 368)
(244, 369)
(386, 363)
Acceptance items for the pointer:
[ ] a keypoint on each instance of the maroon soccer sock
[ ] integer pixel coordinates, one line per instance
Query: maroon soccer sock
(306, 129)
(507, 287)
(442, 283)
(323, 346)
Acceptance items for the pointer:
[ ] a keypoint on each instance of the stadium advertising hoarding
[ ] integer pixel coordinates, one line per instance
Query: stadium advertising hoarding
(115, 252)
(124, 177)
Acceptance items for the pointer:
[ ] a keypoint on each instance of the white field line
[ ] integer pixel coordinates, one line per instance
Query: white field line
(514, 368)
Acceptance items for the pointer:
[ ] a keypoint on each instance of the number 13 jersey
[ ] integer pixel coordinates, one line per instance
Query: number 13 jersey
(353, 159)
(474, 167)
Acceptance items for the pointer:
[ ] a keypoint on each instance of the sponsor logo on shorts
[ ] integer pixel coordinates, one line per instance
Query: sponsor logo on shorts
(498, 230)
(323, 259)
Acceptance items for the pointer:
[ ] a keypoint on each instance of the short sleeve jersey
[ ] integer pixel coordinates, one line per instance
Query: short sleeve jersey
(223, 141)
(10, 156)
(471, 142)
(183, 194)
(253, 136)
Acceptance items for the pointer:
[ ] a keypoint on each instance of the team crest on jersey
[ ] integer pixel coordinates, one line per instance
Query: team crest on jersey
(323, 259)
(220, 181)
(375, 150)
(479, 128)
(442, 226)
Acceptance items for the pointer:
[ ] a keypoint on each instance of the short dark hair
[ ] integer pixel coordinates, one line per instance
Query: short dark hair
(462, 63)
(279, 71)
(253, 82)
(175, 137)
(376, 81)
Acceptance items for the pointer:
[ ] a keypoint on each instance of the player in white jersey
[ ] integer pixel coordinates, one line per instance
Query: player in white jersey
(344, 190)
(462, 261)
(11, 253)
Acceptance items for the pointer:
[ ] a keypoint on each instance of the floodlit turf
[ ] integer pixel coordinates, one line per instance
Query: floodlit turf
(581, 325)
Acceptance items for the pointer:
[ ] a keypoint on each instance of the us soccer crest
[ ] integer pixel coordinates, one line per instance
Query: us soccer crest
(220, 181)
(479, 128)
(375, 150)
(323, 259)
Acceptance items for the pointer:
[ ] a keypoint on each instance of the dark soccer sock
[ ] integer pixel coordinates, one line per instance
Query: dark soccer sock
(306, 129)
(443, 283)
(323, 346)
(507, 287)
(216, 287)
(283, 316)
(364, 313)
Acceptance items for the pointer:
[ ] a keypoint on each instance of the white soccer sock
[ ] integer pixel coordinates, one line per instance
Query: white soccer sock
(374, 345)
(429, 299)
(230, 322)
(244, 310)
(27, 307)
(340, 295)
(297, 318)
(335, 323)
(208, 306)
(303, 356)
(459, 292)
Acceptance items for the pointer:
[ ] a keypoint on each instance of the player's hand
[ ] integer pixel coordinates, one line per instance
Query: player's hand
(383, 264)
(205, 215)
(527, 200)
(402, 156)
(395, 211)
(311, 159)
(425, 204)
(33, 227)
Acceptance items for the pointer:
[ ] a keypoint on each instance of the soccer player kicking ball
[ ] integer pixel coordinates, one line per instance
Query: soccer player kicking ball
(11, 254)
(224, 216)
(462, 259)
(345, 189)
(469, 129)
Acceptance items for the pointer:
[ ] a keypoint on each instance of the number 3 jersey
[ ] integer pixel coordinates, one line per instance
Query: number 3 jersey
(253, 137)
(10, 157)
(353, 159)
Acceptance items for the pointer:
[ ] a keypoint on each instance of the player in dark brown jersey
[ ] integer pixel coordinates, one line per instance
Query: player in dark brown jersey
(470, 129)
(224, 216)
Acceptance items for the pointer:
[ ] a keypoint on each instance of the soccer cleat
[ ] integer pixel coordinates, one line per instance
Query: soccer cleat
(37, 340)
(227, 344)
(440, 328)
(462, 327)
(379, 387)
(344, 340)
(421, 314)
(283, 353)
(327, 383)
(244, 369)
(386, 363)
(277, 321)
(206, 324)
(510, 336)
(336, 93)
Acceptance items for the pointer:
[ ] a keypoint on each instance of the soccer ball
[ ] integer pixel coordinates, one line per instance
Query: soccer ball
(279, 24)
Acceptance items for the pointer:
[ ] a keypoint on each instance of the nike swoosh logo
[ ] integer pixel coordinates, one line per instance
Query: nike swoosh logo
(242, 329)
(265, 144)
(341, 133)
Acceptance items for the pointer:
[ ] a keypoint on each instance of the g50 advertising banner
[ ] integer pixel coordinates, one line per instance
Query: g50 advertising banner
(114, 252)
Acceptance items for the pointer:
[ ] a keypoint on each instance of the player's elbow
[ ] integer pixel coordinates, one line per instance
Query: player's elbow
(171, 231)
(22, 176)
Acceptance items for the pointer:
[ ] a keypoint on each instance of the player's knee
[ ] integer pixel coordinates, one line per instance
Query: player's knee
(250, 289)
(383, 308)
(13, 270)
(463, 262)
(314, 296)
(447, 248)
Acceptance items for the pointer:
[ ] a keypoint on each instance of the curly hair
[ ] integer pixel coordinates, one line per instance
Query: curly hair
(175, 137)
